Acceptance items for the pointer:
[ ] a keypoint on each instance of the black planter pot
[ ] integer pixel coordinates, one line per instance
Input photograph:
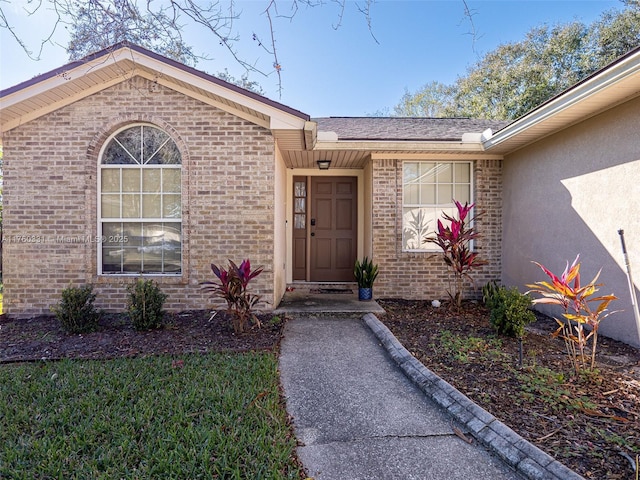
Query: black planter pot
(365, 293)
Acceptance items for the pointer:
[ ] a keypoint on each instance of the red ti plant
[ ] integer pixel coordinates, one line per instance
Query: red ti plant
(232, 288)
(455, 240)
(580, 307)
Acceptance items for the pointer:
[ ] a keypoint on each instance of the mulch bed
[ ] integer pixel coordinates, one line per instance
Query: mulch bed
(197, 331)
(591, 424)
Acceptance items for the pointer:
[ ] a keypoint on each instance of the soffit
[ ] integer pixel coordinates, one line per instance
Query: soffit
(357, 158)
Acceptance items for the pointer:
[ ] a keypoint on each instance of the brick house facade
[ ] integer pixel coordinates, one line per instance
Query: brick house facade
(51, 194)
(243, 160)
(251, 186)
(423, 275)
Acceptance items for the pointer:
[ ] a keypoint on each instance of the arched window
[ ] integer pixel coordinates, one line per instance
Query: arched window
(140, 208)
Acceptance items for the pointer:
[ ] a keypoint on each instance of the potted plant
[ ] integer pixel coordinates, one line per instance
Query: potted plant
(365, 273)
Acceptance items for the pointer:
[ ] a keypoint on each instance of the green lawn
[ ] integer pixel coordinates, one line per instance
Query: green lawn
(197, 416)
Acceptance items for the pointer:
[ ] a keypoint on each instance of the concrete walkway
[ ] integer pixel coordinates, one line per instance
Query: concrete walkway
(357, 416)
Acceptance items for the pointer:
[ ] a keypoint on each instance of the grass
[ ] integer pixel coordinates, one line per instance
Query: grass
(199, 416)
(464, 349)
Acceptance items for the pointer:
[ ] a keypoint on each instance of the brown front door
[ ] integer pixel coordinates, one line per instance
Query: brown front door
(333, 228)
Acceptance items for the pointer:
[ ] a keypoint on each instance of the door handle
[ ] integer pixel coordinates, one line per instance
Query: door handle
(313, 234)
(313, 222)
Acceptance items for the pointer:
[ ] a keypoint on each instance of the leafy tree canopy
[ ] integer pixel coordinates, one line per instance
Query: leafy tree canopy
(517, 77)
(98, 24)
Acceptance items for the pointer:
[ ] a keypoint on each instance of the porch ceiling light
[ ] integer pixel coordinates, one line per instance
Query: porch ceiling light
(323, 164)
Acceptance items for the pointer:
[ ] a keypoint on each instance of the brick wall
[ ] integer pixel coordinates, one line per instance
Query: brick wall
(424, 275)
(50, 186)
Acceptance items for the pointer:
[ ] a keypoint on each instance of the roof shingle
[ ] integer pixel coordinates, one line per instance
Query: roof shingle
(404, 128)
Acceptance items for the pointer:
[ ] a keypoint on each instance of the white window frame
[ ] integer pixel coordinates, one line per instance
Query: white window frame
(438, 208)
(140, 220)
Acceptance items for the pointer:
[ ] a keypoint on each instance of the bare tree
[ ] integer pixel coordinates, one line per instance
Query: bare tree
(160, 25)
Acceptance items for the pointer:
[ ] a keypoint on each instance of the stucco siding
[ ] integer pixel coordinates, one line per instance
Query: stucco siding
(569, 194)
(51, 167)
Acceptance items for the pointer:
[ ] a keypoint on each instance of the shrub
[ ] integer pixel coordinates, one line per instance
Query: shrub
(232, 288)
(490, 293)
(365, 272)
(581, 306)
(144, 304)
(76, 311)
(510, 311)
(455, 241)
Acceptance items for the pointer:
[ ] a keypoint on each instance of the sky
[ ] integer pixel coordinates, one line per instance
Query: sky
(328, 71)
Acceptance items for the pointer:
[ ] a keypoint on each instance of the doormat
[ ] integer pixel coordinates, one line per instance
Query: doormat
(331, 290)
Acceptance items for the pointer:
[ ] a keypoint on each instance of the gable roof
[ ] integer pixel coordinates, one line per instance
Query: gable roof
(69, 83)
(349, 140)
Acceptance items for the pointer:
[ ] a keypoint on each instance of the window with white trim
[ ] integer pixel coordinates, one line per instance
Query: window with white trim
(140, 205)
(428, 189)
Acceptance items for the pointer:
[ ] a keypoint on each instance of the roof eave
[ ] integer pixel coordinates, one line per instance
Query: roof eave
(397, 146)
(270, 114)
(606, 88)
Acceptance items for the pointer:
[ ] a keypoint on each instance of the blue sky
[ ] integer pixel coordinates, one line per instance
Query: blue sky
(343, 72)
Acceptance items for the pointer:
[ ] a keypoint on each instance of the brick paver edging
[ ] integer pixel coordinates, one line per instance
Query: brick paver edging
(525, 457)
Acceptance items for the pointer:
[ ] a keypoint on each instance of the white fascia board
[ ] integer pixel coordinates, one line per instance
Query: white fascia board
(472, 137)
(412, 146)
(327, 136)
(310, 134)
(606, 79)
(51, 83)
(279, 120)
(283, 121)
(434, 156)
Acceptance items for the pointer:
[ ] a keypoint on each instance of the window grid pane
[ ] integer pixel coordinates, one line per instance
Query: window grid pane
(171, 180)
(300, 189)
(110, 205)
(151, 179)
(151, 205)
(429, 190)
(110, 180)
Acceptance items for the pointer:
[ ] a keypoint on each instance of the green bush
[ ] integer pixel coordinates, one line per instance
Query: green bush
(365, 272)
(76, 311)
(490, 292)
(144, 305)
(509, 309)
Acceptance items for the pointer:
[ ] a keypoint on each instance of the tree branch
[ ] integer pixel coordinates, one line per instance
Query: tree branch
(4, 23)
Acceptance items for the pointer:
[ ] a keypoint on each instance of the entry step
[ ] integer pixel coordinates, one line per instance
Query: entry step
(338, 288)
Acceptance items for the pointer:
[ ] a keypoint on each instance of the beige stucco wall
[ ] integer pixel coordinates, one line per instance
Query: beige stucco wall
(569, 194)
(424, 275)
(50, 186)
